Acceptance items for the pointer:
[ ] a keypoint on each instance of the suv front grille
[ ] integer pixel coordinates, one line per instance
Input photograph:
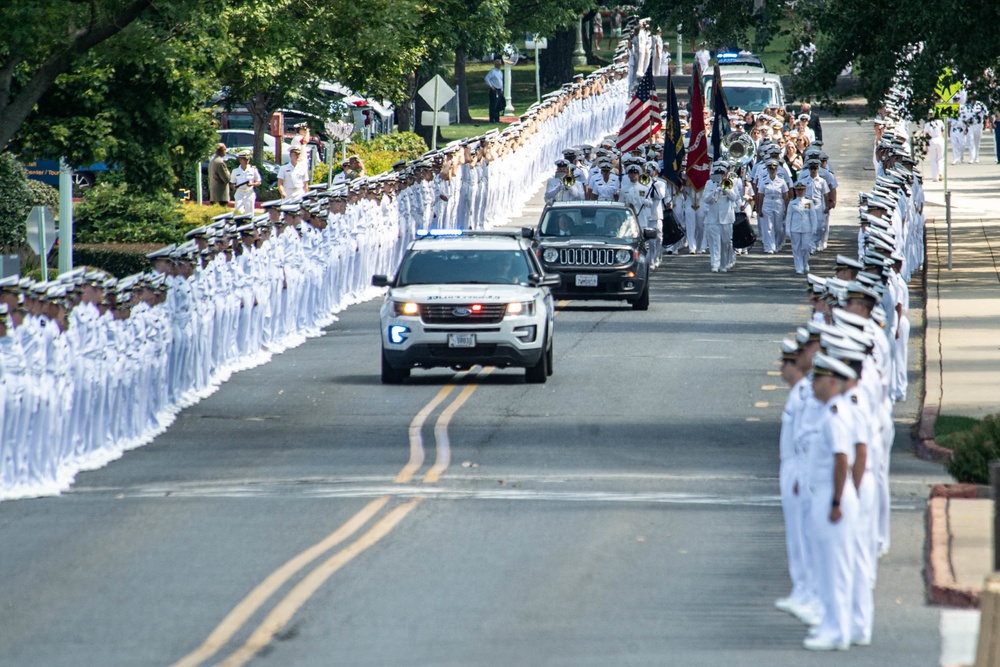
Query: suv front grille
(492, 313)
(587, 256)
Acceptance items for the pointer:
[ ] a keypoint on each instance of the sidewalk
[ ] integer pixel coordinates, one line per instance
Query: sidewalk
(962, 366)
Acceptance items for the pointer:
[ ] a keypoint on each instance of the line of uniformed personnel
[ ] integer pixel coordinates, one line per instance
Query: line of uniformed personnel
(91, 365)
(846, 368)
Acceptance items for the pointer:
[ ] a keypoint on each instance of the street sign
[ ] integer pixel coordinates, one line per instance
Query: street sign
(41, 226)
(536, 43)
(436, 92)
(946, 111)
(431, 117)
(947, 89)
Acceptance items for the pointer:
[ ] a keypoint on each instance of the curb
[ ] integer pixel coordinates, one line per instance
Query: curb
(926, 448)
(942, 588)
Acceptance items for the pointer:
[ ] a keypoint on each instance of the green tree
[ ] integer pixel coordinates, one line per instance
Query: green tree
(43, 39)
(286, 49)
(134, 101)
(557, 21)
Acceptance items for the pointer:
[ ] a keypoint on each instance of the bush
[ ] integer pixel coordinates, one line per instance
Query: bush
(43, 194)
(197, 216)
(320, 172)
(120, 259)
(410, 145)
(973, 450)
(111, 213)
(15, 201)
(380, 153)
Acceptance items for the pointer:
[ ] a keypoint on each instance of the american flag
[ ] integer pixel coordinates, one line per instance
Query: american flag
(642, 120)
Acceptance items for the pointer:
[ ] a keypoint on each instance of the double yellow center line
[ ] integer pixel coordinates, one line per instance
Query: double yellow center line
(282, 613)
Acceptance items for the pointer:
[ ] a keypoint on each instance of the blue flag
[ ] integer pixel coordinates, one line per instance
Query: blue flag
(673, 143)
(720, 123)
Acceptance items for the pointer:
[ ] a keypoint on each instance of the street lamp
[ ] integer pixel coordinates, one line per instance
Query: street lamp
(680, 53)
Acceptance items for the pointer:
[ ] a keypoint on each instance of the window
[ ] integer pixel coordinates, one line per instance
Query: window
(459, 266)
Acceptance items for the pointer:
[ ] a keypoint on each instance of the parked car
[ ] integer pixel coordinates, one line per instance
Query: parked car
(237, 140)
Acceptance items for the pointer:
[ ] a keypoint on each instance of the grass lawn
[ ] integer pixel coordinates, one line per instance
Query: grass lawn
(522, 87)
(948, 425)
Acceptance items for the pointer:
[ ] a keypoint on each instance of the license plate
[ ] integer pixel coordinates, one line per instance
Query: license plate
(586, 280)
(461, 340)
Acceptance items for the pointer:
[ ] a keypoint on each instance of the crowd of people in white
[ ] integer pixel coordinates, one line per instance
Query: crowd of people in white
(91, 365)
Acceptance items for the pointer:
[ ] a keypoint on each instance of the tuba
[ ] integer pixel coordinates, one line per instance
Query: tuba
(739, 147)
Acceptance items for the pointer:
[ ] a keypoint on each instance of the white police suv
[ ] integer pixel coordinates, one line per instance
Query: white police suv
(466, 298)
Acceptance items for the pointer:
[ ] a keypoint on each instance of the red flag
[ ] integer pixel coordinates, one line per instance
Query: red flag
(698, 165)
(642, 119)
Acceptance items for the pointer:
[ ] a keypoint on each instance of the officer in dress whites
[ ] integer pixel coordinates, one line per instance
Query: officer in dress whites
(799, 222)
(720, 198)
(834, 507)
(293, 180)
(604, 184)
(771, 204)
(244, 179)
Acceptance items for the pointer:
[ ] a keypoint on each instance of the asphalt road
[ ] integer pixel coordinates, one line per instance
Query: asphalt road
(625, 513)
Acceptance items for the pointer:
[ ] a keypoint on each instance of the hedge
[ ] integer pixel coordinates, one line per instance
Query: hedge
(120, 259)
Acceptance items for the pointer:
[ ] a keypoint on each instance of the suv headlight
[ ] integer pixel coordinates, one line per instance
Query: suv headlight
(550, 256)
(521, 308)
(622, 256)
(405, 308)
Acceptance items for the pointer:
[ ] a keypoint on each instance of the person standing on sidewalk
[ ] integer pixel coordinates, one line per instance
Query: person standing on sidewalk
(218, 177)
(934, 129)
(494, 79)
(901, 298)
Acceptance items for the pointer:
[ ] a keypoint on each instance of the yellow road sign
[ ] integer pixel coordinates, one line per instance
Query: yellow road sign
(947, 88)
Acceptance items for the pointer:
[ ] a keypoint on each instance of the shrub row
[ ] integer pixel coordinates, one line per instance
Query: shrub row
(972, 451)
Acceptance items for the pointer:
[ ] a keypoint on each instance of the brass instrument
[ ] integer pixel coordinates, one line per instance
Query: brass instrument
(644, 179)
(739, 147)
(568, 181)
(727, 182)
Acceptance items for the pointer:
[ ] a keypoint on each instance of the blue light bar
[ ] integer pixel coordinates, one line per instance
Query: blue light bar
(423, 233)
(726, 56)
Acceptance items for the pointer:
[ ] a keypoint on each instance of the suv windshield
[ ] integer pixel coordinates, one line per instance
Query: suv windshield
(464, 266)
(590, 221)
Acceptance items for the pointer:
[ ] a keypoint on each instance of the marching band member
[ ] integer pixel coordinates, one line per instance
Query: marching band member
(563, 186)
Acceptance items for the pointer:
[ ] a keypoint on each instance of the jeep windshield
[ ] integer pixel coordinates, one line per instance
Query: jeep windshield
(453, 266)
(613, 223)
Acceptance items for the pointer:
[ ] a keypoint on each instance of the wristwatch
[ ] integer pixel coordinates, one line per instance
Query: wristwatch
(835, 502)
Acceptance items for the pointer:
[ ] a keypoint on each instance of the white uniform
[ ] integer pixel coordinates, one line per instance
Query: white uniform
(770, 224)
(604, 190)
(245, 196)
(294, 178)
(721, 213)
(934, 129)
(833, 543)
(799, 221)
(555, 191)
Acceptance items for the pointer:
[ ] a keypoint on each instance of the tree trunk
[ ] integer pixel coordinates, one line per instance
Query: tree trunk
(404, 121)
(260, 111)
(557, 60)
(463, 92)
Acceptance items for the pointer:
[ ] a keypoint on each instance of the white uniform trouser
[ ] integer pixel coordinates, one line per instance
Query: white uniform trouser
(865, 561)
(822, 233)
(713, 235)
(833, 555)
(769, 224)
(801, 242)
(900, 380)
(935, 157)
(728, 252)
(694, 221)
(244, 201)
(975, 136)
(958, 141)
(791, 507)
(882, 498)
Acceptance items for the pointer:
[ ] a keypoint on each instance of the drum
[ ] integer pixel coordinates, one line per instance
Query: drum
(743, 236)
(672, 230)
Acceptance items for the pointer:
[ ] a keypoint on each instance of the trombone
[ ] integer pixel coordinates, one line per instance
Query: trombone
(568, 181)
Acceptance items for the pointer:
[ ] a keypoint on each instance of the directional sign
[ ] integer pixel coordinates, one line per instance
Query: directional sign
(41, 229)
(947, 89)
(436, 92)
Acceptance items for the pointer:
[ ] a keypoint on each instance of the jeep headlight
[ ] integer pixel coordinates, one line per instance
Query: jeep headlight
(550, 256)
(622, 256)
